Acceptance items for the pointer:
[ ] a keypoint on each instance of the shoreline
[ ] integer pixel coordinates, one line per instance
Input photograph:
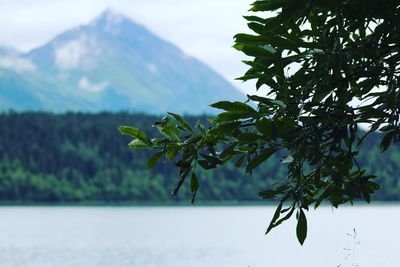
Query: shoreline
(172, 204)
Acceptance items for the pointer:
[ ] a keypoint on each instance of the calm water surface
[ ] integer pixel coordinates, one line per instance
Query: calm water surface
(194, 237)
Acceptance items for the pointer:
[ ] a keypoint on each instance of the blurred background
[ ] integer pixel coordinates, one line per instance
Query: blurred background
(73, 194)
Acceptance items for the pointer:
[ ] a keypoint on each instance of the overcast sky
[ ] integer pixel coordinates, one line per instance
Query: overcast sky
(202, 28)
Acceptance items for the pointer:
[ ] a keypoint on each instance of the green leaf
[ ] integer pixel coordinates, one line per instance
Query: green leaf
(288, 159)
(228, 151)
(194, 183)
(224, 128)
(301, 229)
(254, 19)
(269, 5)
(181, 121)
(168, 128)
(267, 194)
(255, 51)
(286, 217)
(248, 137)
(239, 162)
(387, 128)
(205, 164)
(266, 127)
(269, 48)
(267, 101)
(274, 218)
(256, 27)
(366, 195)
(386, 140)
(138, 143)
(153, 159)
(231, 116)
(263, 156)
(270, 193)
(248, 38)
(171, 153)
(322, 196)
(284, 125)
(133, 132)
(233, 106)
(213, 160)
(320, 96)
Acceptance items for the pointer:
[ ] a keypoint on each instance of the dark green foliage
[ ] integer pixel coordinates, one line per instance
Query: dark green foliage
(301, 229)
(81, 157)
(328, 66)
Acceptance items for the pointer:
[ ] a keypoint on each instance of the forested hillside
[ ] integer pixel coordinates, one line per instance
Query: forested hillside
(82, 157)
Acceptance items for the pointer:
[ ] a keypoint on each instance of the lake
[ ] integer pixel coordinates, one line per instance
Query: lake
(194, 237)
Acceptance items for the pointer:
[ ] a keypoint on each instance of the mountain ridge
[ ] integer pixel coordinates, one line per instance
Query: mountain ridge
(111, 64)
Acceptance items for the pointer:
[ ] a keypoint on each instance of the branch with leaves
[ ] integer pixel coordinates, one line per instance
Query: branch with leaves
(345, 56)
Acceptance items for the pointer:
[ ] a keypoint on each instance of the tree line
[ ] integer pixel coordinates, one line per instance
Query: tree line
(75, 157)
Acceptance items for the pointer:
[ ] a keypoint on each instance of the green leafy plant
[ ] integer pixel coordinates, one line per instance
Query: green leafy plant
(328, 66)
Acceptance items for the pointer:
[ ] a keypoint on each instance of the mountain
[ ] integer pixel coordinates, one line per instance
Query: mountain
(109, 64)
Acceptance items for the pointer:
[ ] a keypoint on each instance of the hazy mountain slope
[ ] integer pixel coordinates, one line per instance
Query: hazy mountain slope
(113, 64)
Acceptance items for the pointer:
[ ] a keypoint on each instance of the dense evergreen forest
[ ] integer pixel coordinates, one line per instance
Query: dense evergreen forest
(77, 157)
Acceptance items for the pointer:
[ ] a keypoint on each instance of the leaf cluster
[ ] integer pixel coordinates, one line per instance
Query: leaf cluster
(328, 66)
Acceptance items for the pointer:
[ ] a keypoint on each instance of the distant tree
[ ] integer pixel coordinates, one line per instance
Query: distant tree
(328, 67)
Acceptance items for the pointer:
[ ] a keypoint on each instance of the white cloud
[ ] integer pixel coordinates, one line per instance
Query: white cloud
(75, 54)
(16, 63)
(86, 85)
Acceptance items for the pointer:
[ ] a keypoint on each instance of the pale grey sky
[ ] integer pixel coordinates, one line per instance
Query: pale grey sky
(202, 28)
